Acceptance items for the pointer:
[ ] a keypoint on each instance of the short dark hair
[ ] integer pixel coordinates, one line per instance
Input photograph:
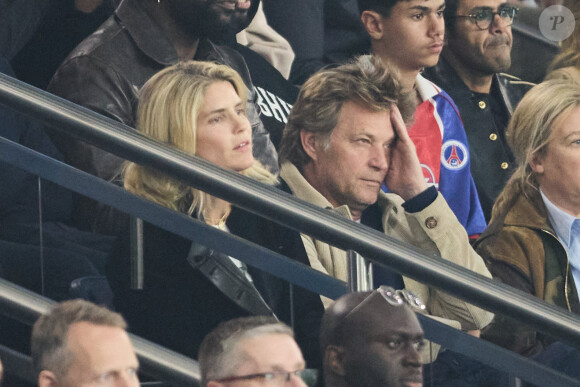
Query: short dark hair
(381, 6)
(217, 354)
(49, 333)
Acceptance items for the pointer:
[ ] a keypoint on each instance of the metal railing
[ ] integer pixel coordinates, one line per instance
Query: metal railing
(156, 361)
(279, 207)
(267, 260)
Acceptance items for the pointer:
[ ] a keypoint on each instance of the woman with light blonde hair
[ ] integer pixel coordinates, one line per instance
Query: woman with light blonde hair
(530, 241)
(198, 108)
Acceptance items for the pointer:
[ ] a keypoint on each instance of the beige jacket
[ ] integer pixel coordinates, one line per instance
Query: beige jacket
(445, 237)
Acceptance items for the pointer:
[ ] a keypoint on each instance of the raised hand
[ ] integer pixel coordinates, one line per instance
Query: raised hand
(404, 177)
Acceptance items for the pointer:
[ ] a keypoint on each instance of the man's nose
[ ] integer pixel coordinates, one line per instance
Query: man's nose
(497, 25)
(436, 25)
(379, 158)
(412, 356)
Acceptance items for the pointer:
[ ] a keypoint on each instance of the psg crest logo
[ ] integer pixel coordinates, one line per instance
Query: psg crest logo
(454, 155)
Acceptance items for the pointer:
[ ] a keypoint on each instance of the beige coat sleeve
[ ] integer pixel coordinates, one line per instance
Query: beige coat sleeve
(437, 230)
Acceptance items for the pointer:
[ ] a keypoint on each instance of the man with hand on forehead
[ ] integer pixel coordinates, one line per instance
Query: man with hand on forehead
(345, 138)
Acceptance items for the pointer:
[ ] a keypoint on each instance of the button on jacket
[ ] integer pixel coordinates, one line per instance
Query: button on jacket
(491, 158)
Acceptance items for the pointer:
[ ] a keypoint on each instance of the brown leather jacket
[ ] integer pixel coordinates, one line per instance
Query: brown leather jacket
(521, 249)
(107, 70)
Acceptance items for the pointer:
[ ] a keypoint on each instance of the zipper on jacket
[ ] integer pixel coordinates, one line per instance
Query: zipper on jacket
(567, 267)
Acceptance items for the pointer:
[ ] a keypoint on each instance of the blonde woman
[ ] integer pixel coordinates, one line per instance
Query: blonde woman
(198, 108)
(531, 242)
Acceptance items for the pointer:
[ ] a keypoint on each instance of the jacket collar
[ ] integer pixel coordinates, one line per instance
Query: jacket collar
(426, 88)
(502, 85)
(529, 211)
(443, 70)
(302, 189)
(511, 89)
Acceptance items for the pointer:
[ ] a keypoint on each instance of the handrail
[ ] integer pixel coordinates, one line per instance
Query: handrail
(268, 261)
(285, 209)
(155, 361)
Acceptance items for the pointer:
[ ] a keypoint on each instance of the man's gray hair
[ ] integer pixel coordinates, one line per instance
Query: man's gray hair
(49, 334)
(218, 354)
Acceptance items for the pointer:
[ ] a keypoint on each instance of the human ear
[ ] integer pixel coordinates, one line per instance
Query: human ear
(536, 163)
(47, 379)
(373, 22)
(308, 140)
(334, 359)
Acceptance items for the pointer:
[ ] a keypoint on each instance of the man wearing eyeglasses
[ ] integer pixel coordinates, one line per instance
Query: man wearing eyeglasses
(373, 339)
(479, 46)
(252, 351)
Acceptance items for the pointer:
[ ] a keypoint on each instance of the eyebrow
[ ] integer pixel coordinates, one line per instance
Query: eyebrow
(239, 104)
(279, 368)
(403, 335)
(425, 9)
(574, 133)
(477, 9)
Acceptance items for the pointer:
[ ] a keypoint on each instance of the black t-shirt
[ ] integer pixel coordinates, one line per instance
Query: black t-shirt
(276, 95)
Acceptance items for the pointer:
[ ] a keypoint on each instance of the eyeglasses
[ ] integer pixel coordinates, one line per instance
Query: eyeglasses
(484, 17)
(309, 376)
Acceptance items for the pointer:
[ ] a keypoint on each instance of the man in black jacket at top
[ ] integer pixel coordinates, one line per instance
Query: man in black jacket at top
(106, 71)
(470, 70)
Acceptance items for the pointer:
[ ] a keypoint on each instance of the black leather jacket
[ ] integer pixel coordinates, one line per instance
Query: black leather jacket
(485, 117)
(188, 290)
(107, 70)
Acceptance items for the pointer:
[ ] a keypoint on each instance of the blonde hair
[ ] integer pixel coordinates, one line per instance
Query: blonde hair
(570, 54)
(169, 104)
(545, 106)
